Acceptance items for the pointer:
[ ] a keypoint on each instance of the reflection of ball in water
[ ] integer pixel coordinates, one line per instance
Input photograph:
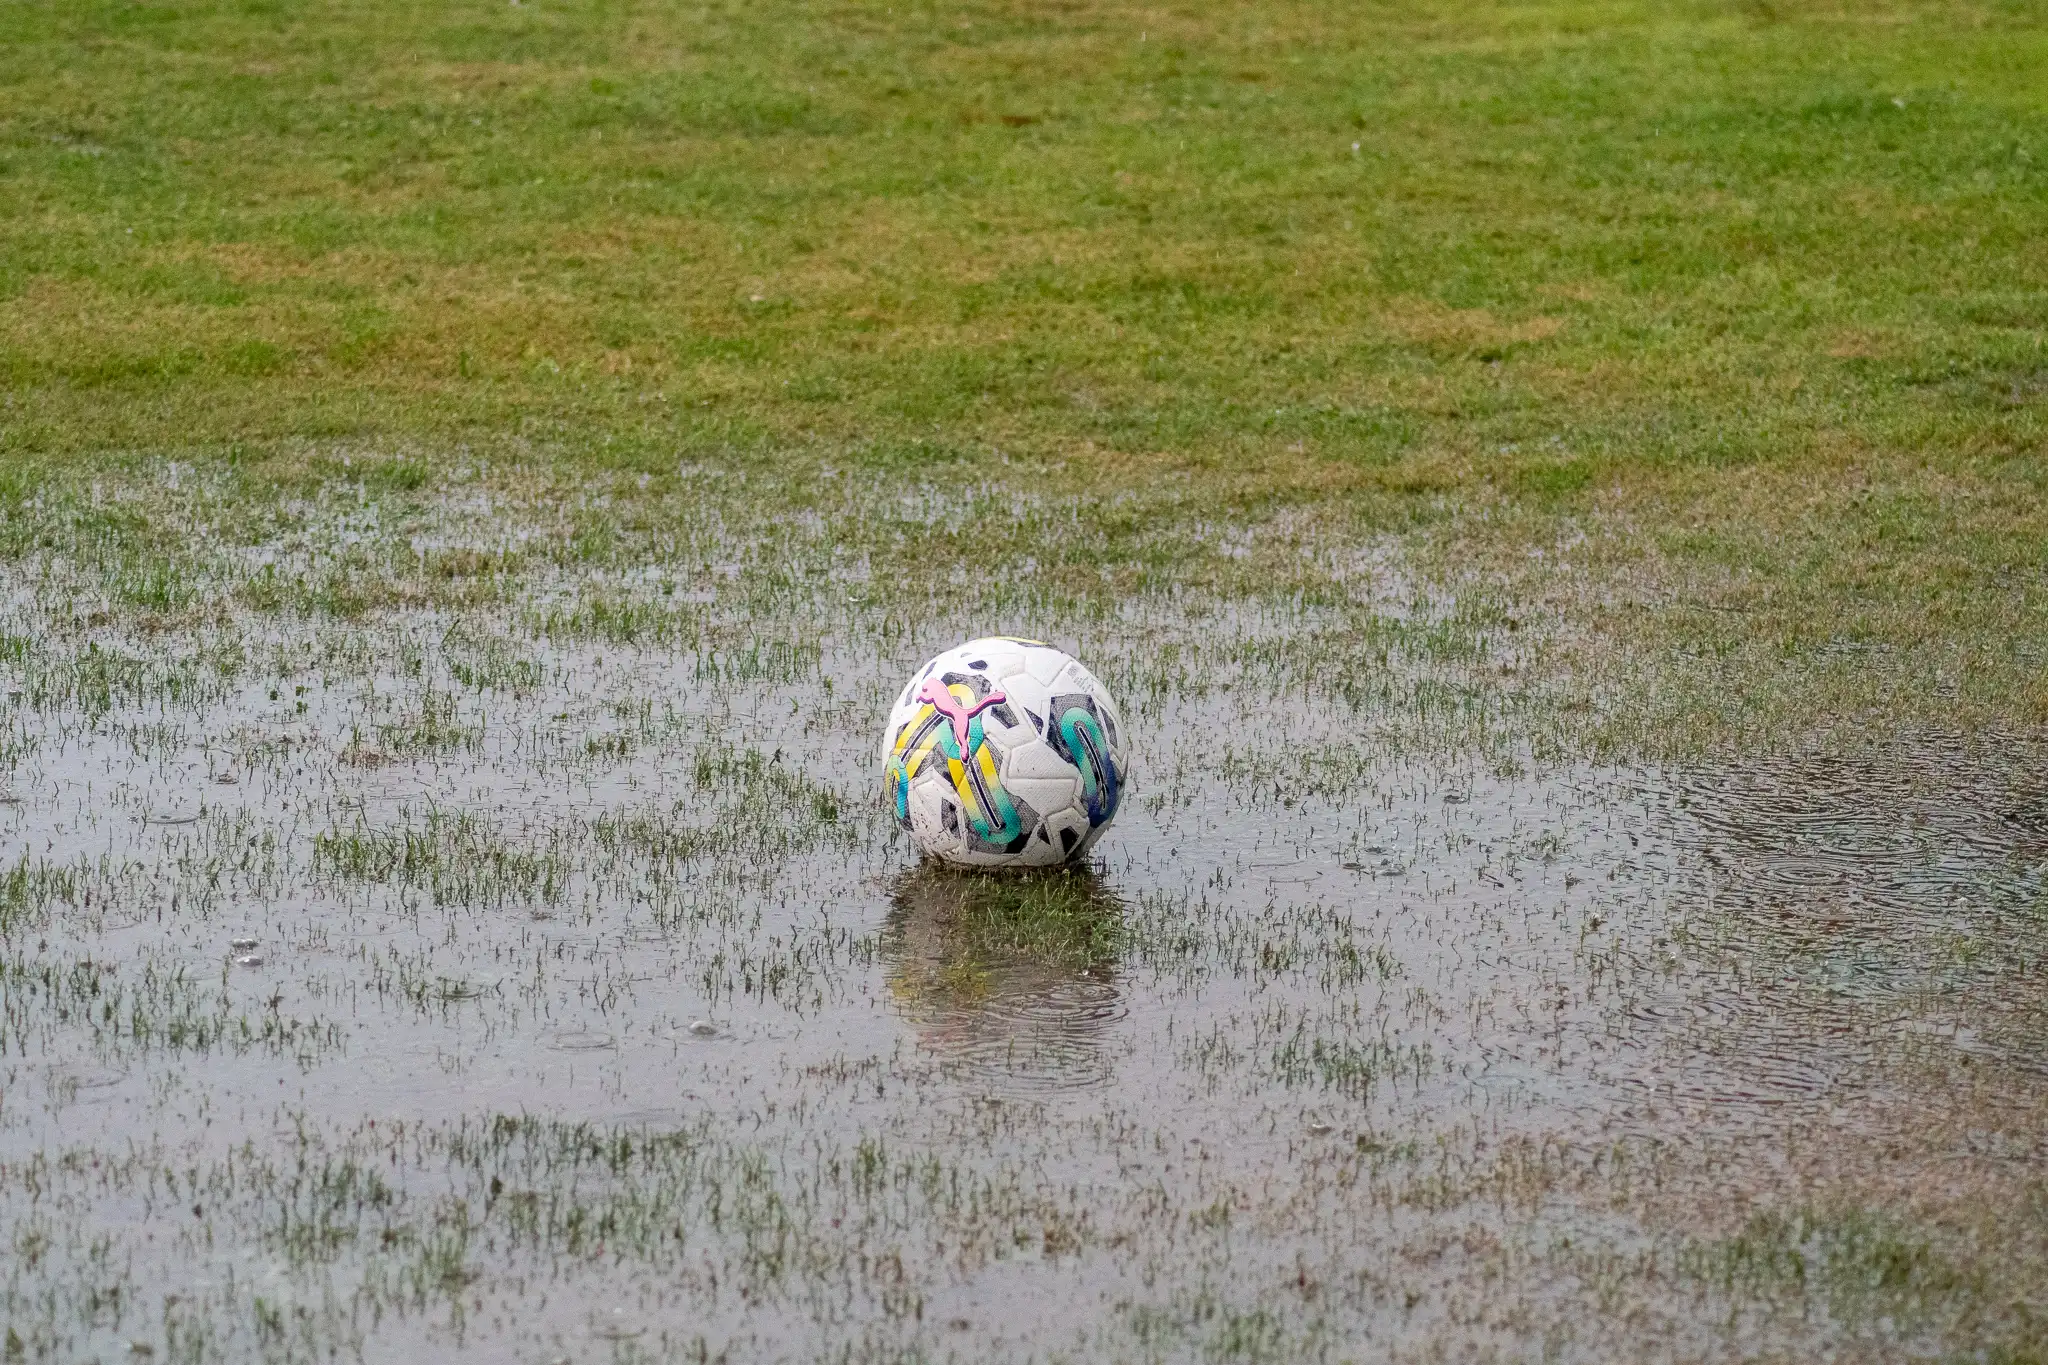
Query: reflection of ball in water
(1004, 753)
(1009, 976)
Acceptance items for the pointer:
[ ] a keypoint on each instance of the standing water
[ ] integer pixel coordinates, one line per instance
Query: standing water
(386, 987)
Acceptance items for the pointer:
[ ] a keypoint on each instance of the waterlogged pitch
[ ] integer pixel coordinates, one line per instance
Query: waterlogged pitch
(533, 969)
(1550, 497)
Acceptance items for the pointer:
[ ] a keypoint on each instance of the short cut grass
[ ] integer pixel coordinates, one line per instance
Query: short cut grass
(1745, 299)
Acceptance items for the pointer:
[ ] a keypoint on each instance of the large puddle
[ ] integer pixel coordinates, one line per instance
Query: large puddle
(575, 1000)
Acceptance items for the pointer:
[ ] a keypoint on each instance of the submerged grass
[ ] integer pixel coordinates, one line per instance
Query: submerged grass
(507, 415)
(116, 1012)
(456, 857)
(951, 930)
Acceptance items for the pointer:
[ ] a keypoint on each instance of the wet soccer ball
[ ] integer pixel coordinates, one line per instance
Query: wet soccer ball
(1004, 753)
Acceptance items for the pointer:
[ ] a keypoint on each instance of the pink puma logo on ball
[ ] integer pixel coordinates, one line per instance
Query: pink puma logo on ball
(942, 699)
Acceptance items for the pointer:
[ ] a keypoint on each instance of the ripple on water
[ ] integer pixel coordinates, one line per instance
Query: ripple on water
(1003, 978)
(1907, 829)
(86, 1084)
(2028, 815)
(1764, 1076)
(1018, 1028)
(1842, 896)
(578, 1040)
(1030, 1034)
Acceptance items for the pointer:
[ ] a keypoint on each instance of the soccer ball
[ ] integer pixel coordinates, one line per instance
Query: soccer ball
(1004, 753)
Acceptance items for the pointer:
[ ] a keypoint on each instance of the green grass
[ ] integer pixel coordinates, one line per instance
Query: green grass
(455, 857)
(158, 1009)
(1742, 299)
(960, 926)
(1389, 235)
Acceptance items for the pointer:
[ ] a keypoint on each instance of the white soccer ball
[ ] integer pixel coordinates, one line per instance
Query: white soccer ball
(1004, 753)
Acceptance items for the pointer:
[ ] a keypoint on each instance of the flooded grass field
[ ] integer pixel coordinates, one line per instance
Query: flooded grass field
(1557, 487)
(529, 965)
